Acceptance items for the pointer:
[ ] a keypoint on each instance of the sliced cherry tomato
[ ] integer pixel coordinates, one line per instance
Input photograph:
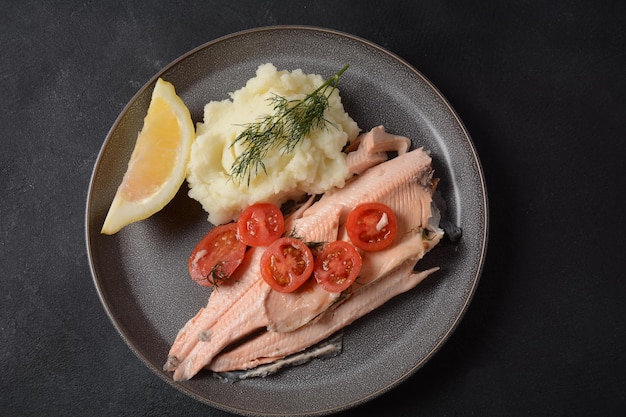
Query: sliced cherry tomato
(260, 224)
(216, 256)
(372, 226)
(286, 264)
(337, 267)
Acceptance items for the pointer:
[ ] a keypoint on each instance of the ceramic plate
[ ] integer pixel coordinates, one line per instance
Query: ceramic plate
(141, 274)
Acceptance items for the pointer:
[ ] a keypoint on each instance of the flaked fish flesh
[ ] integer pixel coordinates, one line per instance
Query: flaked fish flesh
(247, 324)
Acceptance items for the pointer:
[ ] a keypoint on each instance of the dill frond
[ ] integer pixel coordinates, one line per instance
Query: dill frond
(313, 245)
(291, 121)
(216, 275)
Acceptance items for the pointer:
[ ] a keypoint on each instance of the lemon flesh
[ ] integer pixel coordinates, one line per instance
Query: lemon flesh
(157, 166)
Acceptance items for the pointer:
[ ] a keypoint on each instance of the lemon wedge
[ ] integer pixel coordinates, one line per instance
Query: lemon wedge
(158, 164)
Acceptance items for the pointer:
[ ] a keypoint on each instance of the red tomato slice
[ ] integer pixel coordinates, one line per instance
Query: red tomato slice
(260, 224)
(216, 256)
(372, 226)
(337, 267)
(286, 264)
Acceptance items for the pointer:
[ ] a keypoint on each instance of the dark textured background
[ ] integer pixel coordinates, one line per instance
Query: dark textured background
(541, 88)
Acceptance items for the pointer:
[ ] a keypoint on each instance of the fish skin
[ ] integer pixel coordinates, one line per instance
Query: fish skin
(249, 305)
(326, 349)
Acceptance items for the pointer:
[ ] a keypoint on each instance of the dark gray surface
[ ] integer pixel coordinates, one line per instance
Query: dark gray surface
(541, 90)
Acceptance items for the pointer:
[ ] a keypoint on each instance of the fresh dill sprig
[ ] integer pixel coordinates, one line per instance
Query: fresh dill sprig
(313, 245)
(291, 122)
(216, 275)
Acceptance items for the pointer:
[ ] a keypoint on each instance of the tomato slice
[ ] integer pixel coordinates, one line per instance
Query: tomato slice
(260, 224)
(337, 267)
(286, 264)
(372, 226)
(216, 256)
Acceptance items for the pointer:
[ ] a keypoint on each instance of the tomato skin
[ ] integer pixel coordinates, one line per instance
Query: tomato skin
(362, 226)
(216, 256)
(260, 224)
(286, 264)
(337, 266)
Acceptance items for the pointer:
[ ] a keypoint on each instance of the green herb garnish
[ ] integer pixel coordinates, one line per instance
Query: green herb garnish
(217, 275)
(315, 245)
(291, 122)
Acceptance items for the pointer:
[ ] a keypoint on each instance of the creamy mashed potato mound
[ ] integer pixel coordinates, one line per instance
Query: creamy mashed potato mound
(316, 165)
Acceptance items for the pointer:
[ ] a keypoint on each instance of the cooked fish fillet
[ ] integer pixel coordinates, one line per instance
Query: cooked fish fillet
(404, 183)
(271, 346)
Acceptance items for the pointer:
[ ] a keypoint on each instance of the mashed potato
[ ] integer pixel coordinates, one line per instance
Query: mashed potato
(316, 165)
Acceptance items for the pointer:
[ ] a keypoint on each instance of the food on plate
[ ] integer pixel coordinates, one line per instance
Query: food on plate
(285, 172)
(270, 347)
(337, 266)
(216, 256)
(260, 224)
(372, 226)
(286, 264)
(158, 163)
(282, 283)
(249, 323)
(326, 349)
